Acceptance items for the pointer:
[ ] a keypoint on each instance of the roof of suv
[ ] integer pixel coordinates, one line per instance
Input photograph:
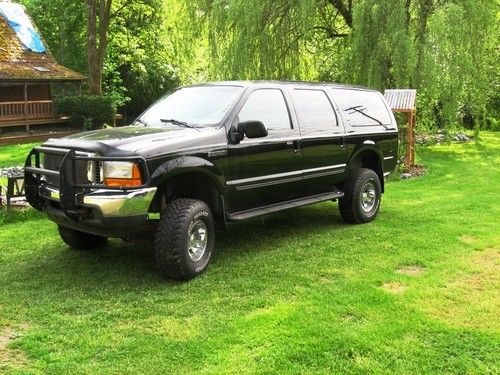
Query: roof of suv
(284, 82)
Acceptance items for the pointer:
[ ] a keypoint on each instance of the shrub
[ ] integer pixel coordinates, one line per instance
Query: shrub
(86, 112)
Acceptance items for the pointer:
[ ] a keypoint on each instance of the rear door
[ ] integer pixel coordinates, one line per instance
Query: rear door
(265, 170)
(323, 156)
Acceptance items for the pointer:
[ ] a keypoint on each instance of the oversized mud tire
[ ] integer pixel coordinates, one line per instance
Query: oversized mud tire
(184, 239)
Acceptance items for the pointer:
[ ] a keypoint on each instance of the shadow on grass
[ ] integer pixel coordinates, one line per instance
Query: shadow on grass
(131, 266)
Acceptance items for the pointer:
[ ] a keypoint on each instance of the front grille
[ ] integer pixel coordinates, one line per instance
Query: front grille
(54, 162)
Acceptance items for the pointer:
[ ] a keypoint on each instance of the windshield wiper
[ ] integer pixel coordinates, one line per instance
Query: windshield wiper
(359, 109)
(179, 123)
(140, 121)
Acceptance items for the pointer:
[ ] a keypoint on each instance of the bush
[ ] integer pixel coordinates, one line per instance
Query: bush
(85, 111)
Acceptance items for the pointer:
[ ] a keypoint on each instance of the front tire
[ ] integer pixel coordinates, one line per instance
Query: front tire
(81, 240)
(184, 240)
(361, 201)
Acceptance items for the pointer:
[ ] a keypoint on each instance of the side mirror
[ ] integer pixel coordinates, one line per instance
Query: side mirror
(252, 129)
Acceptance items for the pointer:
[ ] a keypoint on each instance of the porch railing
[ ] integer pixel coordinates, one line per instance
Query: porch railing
(31, 110)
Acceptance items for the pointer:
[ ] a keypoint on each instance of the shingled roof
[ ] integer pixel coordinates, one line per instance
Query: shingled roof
(20, 64)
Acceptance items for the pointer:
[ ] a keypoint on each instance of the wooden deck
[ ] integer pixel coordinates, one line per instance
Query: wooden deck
(27, 113)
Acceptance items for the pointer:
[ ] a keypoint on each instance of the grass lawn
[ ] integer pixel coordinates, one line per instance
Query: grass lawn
(15, 155)
(414, 292)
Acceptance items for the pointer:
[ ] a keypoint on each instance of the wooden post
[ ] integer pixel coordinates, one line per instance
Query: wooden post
(26, 107)
(414, 125)
(410, 139)
(78, 87)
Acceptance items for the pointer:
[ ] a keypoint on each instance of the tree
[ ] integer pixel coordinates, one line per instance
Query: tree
(98, 18)
(445, 49)
(269, 38)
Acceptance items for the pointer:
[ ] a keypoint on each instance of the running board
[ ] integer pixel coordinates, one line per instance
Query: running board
(247, 214)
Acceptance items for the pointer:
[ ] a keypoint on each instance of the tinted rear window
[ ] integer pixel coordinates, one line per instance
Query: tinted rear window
(362, 108)
(314, 111)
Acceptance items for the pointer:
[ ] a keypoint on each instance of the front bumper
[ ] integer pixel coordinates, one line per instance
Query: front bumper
(111, 203)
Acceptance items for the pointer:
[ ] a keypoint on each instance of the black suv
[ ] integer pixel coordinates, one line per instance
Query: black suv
(205, 155)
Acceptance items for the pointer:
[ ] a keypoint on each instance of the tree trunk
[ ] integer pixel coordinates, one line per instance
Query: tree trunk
(98, 16)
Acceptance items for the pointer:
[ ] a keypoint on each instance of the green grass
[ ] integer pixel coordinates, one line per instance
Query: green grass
(414, 292)
(15, 155)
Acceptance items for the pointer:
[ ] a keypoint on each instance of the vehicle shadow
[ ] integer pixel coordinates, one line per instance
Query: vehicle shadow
(131, 266)
(291, 225)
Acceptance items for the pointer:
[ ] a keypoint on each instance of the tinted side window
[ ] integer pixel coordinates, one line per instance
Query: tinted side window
(268, 106)
(362, 108)
(314, 110)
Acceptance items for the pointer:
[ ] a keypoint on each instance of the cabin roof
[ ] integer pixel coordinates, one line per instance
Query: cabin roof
(19, 64)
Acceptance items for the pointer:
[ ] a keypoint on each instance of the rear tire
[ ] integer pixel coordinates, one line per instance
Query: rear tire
(184, 240)
(361, 201)
(81, 240)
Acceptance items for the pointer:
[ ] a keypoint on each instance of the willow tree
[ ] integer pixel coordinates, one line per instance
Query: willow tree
(447, 49)
(269, 38)
(382, 44)
(460, 57)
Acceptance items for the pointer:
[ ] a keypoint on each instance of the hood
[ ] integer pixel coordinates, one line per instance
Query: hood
(141, 140)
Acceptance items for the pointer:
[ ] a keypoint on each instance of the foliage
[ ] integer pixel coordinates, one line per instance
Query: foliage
(457, 65)
(86, 112)
(136, 68)
(62, 25)
(137, 56)
(414, 292)
(446, 49)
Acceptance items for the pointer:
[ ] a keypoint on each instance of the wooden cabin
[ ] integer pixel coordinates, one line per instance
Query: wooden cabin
(28, 77)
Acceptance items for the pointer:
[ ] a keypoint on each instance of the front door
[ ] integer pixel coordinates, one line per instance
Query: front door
(265, 170)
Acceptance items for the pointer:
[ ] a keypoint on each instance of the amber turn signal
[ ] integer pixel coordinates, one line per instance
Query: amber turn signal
(134, 180)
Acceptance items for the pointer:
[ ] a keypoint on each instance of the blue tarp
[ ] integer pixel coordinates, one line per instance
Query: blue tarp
(19, 21)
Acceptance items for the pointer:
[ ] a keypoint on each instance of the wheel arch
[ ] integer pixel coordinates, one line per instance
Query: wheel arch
(368, 157)
(189, 177)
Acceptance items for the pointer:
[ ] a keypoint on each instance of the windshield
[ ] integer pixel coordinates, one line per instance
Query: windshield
(202, 105)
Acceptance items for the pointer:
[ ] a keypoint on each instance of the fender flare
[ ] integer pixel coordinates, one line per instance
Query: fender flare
(187, 164)
(362, 148)
(359, 149)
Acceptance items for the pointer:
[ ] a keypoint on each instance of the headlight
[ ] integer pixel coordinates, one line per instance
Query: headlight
(121, 173)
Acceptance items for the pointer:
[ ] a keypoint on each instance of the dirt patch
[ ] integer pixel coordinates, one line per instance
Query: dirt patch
(411, 270)
(467, 239)
(393, 287)
(471, 299)
(11, 357)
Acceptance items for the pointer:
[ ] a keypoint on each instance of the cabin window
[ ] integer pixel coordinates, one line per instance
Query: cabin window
(268, 106)
(362, 108)
(314, 111)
